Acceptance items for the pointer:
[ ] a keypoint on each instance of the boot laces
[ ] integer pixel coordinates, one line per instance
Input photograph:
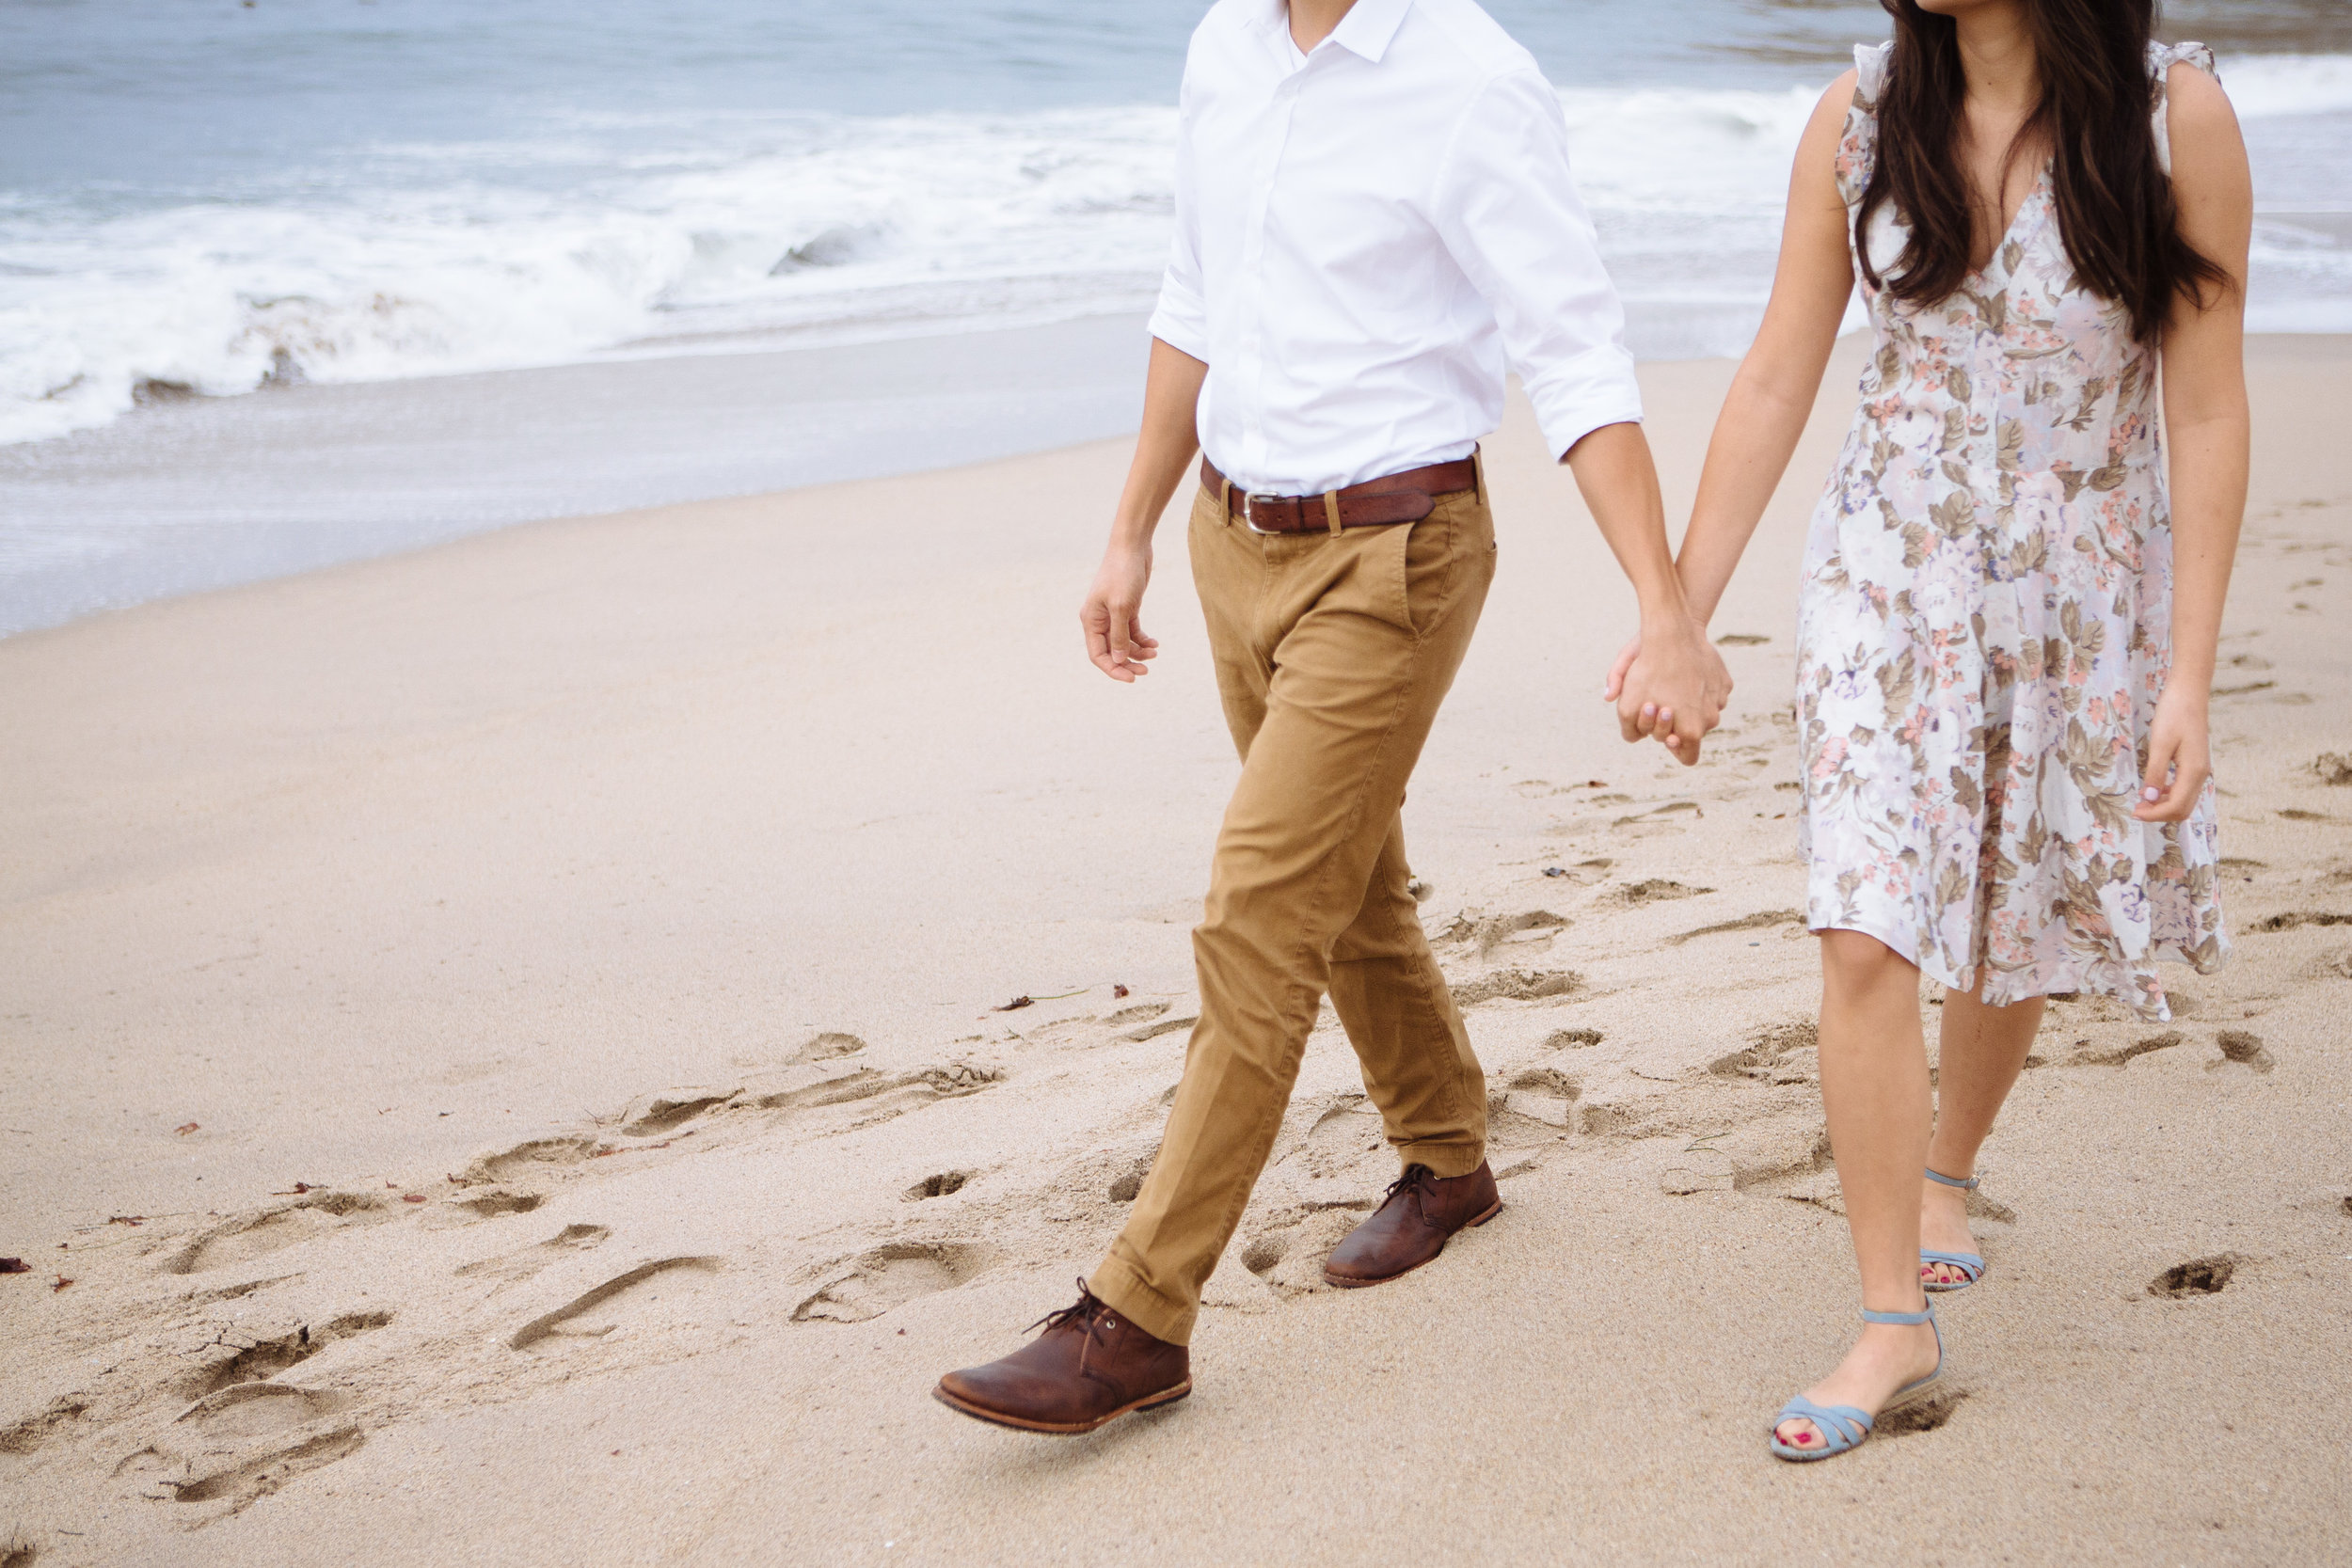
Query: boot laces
(1087, 1313)
(1419, 1179)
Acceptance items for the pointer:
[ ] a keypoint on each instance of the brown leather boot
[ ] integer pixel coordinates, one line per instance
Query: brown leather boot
(1412, 1225)
(1090, 1366)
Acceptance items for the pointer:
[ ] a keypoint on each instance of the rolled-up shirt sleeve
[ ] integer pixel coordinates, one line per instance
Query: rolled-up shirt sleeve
(1181, 320)
(1509, 214)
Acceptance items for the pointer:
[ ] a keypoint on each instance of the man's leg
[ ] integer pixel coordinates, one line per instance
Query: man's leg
(1364, 634)
(1333, 652)
(1418, 1067)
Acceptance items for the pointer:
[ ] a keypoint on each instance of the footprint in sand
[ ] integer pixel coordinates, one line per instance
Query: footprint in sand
(596, 1312)
(241, 1476)
(492, 1205)
(1530, 931)
(946, 1183)
(1762, 920)
(2244, 1049)
(1341, 1143)
(1668, 819)
(666, 1112)
(533, 1156)
(1656, 890)
(232, 1358)
(2199, 1277)
(899, 1092)
(1926, 1415)
(29, 1433)
(2294, 920)
(1768, 1051)
(1128, 1183)
(250, 1412)
(245, 1237)
(1288, 1256)
(2117, 1055)
(1517, 985)
(874, 1282)
(829, 1046)
(511, 1268)
(1542, 1094)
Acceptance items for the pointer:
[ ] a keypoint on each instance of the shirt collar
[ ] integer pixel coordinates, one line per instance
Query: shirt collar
(1370, 26)
(1366, 30)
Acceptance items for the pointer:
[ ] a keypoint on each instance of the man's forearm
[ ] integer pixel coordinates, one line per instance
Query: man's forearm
(1165, 445)
(1618, 480)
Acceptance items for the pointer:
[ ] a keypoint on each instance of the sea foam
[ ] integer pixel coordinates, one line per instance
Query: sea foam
(679, 235)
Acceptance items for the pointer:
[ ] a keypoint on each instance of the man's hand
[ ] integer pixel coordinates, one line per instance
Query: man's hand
(1669, 683)
(2180, 757)
(1116, 640)
(1163, 451)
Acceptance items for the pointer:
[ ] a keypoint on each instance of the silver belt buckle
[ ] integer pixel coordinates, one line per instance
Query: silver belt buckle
(1248, 499)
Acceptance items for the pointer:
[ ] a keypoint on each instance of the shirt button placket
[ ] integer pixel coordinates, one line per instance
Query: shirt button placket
(1254, 442)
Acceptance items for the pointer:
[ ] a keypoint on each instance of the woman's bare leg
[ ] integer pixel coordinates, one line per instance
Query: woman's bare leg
(1874, 1086)
(1982, 1052)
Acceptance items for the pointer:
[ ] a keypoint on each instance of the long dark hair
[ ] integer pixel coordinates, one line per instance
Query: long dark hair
(2115, 205)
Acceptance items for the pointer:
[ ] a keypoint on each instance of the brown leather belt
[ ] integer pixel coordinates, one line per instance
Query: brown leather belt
(1406, 497)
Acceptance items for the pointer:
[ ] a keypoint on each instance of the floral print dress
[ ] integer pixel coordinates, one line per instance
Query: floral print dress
(1985, 627)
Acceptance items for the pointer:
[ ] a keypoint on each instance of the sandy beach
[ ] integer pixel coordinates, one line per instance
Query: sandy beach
(539, 1049)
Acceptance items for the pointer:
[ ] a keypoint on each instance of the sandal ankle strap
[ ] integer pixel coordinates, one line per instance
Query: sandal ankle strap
(1966, 1184)
(1905, 1319)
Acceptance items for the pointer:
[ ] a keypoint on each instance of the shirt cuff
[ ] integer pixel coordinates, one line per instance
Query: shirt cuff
(1182, 321)
(1575, 398)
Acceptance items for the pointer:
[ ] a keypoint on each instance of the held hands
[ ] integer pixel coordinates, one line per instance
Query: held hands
(2180, 757)
(1670, 684)
(1116, 640)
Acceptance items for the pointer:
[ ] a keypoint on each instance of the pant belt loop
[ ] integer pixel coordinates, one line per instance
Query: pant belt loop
(1478, 473)
(1331, 509)
(1224, 500)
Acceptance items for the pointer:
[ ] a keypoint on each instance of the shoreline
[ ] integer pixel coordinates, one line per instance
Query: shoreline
(642, 894)
(200, 494)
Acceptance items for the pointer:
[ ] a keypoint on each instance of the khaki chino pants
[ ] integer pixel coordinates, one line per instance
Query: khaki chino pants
(1333, 652)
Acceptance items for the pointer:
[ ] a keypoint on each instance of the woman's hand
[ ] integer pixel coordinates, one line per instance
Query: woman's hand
(2180, 757)
(1670, 685)
(1116, 640)
(1625, 656)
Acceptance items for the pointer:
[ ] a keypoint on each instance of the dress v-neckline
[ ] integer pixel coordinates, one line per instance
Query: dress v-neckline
(2011, 234)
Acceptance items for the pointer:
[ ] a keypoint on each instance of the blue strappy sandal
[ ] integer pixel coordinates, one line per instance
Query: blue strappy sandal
(1844, 1426)
(1970, 1265)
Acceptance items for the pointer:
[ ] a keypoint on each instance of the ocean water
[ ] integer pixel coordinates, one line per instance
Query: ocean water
(204, 198)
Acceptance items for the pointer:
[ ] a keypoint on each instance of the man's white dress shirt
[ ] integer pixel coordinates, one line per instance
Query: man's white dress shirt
(1367, 237)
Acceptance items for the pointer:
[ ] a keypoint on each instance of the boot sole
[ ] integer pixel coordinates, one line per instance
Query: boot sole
(1060, 1429)
(1347, 1282)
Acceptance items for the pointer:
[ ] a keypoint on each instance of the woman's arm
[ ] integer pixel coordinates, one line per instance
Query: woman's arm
(2208, 426)
(1773, 395)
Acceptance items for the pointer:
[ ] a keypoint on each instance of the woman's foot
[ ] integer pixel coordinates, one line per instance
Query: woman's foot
(1887, 1357)
(1944, 1228)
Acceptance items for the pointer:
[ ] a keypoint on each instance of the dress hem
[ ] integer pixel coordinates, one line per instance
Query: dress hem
(2100, 979)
